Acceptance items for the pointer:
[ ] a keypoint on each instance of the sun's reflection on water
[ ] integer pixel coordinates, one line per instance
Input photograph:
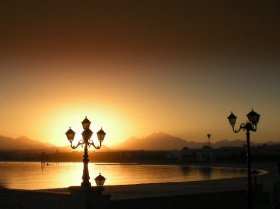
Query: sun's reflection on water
(30, 175)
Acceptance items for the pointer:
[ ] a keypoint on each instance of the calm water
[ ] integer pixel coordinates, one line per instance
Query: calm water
(30, 175)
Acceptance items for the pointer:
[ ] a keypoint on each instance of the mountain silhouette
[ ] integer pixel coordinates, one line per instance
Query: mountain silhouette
(21, 143)
(163, 141)
(25, 143)
(155, 141)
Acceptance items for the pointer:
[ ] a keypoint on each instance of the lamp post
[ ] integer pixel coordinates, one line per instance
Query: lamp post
(251, 125)
(86, 143)
(209, 136)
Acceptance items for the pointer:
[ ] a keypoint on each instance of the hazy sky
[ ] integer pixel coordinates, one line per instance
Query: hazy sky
(137, 67)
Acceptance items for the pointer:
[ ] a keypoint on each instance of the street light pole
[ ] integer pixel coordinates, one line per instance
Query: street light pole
(209, 144)
(249, 170)
(86, 143)
(253, 118)
(85, 177)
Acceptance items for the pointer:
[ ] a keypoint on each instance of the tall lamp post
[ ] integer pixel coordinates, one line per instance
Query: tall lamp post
(86, 143)
(251, 125)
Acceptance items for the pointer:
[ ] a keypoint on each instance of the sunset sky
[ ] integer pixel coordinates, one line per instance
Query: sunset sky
(138, 67)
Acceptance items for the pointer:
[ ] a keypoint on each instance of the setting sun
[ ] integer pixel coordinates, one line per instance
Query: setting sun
(111, 123)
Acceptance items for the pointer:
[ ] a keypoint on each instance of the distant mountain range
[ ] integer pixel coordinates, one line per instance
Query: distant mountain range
(155, 141)
(163, 141)
(22, 143)
(25, 143)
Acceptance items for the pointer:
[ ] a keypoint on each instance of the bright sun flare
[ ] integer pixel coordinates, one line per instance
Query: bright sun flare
(59, 123)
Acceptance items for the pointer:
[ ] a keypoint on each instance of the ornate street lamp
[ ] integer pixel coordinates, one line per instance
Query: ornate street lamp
(86, 143)
(100, 180)
(251, 125)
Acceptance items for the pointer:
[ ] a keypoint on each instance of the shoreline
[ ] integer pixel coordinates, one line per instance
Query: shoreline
(219, 193)
(191, 187)
(264, 168)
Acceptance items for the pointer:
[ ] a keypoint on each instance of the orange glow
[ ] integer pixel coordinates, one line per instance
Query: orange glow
(57, 124)
(134, 70)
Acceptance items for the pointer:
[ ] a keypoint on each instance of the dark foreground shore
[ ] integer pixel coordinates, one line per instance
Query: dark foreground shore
(225, 193)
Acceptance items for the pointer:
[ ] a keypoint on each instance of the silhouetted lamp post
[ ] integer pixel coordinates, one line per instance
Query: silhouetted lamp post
(86, 143)
(251, 125)
(100, 180)
(209, 136)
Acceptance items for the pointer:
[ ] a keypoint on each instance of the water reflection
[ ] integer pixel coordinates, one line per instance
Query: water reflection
(3, 183)
(26, 175)
(207, 173)
(195, 173)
